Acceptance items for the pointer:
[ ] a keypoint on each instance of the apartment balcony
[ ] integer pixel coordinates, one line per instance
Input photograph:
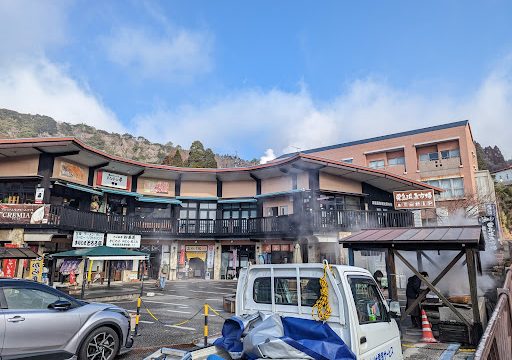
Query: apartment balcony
(318, 222)
(440, 167)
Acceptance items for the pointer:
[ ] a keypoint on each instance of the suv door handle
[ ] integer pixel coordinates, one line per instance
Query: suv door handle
(16, 319)
(362, 340)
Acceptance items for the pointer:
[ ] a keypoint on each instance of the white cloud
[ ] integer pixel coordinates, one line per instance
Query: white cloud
(285, 121)
(268, 156)
(176, 55)
(44, 88)
(29, 81)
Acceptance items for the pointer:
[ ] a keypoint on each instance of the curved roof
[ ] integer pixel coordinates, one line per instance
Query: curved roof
(75, 150)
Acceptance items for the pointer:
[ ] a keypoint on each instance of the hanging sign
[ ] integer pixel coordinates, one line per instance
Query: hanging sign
(123, 240)
(414, 199)
(24, 214)
(39, 196)
(9, 265)
(182, 256)
(87, 239)
(113, 180)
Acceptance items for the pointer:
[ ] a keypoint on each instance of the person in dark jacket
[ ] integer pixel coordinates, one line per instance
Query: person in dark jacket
(412, 291)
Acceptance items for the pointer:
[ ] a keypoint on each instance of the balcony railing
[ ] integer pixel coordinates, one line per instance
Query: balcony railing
(322, 221)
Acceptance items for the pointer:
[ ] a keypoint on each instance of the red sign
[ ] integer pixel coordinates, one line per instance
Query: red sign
(72, 277)
(266, 248)
(23, 214)
(414, 199)
(9, 265)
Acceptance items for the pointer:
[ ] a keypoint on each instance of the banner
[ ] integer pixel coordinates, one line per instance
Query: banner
(87, 239)
(414, 199)
(24, 214)
(9, 265)
(36, 270)
(123, 240)
(196, 248)
(73, 171)
(156, 186)
(211, 254)
(181, 260)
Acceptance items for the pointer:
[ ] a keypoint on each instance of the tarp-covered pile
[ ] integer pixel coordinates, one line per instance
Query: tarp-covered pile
(261, 336)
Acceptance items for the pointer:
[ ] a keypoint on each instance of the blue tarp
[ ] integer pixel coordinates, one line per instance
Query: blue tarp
(314, 339)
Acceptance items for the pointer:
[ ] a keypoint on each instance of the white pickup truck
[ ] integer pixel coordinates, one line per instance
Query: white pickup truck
(360, 315)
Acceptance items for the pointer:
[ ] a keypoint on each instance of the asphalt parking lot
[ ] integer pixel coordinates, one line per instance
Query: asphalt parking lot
(179, 302)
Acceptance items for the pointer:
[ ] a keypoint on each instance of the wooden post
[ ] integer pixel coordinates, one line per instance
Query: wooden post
(84, 278)
(391, 274)
(351, 256)
(470, 260)
(419, 260)
(109, 263)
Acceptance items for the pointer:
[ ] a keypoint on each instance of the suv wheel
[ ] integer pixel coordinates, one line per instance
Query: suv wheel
(101, 344)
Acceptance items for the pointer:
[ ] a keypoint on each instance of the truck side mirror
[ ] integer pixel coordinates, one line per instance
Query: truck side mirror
(394, 309)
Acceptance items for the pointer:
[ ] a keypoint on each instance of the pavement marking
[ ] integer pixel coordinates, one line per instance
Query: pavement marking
(178, 311)
(177, 296)
(214, 300)
(181, 327)
(164, 303)
(209, 292)
(450, 351)
(146, 322)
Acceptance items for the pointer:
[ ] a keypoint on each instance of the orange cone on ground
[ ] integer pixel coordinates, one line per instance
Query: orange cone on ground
(428, 337)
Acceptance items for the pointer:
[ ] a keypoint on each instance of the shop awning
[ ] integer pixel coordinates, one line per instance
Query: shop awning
(161, 200)
(119, 192)
(80, 188)
(279, 193)
(17, 253)
(235, 201)
(102, 253)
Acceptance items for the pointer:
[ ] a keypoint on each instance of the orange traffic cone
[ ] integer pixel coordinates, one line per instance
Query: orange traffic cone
(428, 337)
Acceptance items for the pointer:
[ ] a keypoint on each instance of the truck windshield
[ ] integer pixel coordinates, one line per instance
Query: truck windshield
(369, 305)
(285, 290)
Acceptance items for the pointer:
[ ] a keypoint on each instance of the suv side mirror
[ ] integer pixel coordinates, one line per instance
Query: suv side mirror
(394, 309)
(60, 305)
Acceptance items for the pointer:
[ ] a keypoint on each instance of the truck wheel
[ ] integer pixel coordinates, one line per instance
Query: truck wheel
(102, 343)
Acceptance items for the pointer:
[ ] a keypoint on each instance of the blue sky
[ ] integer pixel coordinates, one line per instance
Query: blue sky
(245, 77)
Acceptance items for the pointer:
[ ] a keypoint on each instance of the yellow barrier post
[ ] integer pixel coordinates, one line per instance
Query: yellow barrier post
(205, 325)
(137, 316)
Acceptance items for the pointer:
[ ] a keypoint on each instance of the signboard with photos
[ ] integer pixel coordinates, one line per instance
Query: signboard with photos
(414, 199)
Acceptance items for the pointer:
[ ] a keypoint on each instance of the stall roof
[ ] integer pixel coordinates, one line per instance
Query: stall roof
(102, 253)
(418, 238)
(17, 253)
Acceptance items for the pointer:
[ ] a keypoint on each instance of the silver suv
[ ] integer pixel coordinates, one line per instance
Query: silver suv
(37, 321)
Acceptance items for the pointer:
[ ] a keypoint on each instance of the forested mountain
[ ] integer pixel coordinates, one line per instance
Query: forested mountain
(17, 125)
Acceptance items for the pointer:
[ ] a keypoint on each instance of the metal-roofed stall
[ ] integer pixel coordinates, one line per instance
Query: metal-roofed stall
(105, 253)
(466, 240)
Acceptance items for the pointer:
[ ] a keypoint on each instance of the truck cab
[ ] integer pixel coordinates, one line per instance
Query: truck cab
(360, 314)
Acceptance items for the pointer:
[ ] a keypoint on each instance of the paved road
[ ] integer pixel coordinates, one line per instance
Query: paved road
(180, 301)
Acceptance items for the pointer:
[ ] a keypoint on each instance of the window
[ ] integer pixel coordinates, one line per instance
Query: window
(430, 156)
(239, 210)
(396, 161)
(348, 161)
(369, 305)
(283, 210)
(448, 154)
(20, 298)
(285, 290)
(376, 164)
(453, 188)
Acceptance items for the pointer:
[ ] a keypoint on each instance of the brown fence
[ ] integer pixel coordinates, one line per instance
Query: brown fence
(496, 343)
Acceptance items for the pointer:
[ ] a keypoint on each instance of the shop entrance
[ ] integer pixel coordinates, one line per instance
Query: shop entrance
(235, 257)
(197, 268)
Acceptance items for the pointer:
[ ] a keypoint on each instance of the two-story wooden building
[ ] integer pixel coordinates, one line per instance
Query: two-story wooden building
(56, 193)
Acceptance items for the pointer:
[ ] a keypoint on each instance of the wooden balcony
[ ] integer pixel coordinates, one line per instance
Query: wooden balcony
(318, 222)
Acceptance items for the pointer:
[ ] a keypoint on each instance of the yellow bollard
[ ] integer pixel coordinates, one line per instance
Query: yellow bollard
(137, 317)
(205, 325)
